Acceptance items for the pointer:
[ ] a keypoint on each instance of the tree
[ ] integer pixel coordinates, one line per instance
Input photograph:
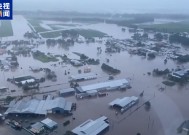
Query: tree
(136, 36)
(83, 57)
(123, 29)
(14, 58)
(151, 55)
(147, 105)
(145, 35)
(179, 38)
(158, 36)
(9, 99)
(140, 44)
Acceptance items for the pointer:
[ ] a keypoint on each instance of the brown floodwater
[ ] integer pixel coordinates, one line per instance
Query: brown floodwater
(168, 107)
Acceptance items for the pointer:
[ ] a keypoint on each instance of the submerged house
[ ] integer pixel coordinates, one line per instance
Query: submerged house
(23, 80)
(76, 63)
(39, 107)
(184, 128)
(180, 75)
(1, 117)
(3, 89)
(40, 127)
(83, 77)
(66, 92)
(123, 104)
(49, 124)
(26, 82)
(92, 127)
(37, 128)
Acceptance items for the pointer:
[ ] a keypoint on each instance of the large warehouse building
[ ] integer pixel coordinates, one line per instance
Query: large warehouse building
(83, 77)
(39, 107)
(109, 85)
(124, 103)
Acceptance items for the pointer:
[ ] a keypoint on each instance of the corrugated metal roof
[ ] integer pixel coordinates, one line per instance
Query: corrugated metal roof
(38, 106)
(84, 76)
(105, 85)
(122, 102)
(37, 125)
(67, 90)
(91, 127)
(68, 106)
(49, 123)
(92, 91)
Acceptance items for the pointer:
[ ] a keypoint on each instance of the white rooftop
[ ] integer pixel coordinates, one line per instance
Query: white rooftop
(49, 123)
(91, 127)
(108, 85)
(67, 90)
(84, 76)
(28, 81)
(35, 106)
(122, 102)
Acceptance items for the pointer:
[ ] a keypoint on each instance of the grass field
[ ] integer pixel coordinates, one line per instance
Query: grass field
(36, 25)
(55, 27)
(53, 34)
(44, 58)
(61, 26)
(6, 29)
(87, 33)
(40, 29)
(31, 28)
(169, 27)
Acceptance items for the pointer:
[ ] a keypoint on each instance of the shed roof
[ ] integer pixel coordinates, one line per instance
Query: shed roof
(122, 102)
(67, 90)
(37, 126)
(49, 123)
(91, 127)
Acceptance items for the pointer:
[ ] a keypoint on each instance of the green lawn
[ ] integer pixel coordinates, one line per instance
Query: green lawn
(34, 23)
(40, 29)
(65, 24)
(83, 32)
(54, 34)
(88, 33)
(33, 30)
(169, 27)
(44, 58)
(60, 26)
(6, 29)
(54, 27)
